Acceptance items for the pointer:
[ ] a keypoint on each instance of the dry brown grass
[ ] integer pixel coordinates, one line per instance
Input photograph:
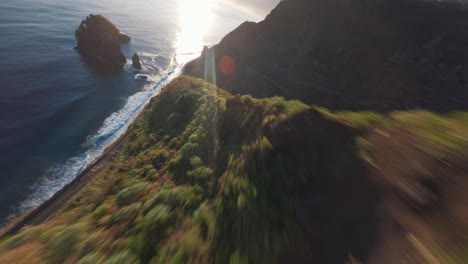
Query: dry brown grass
(27, 254)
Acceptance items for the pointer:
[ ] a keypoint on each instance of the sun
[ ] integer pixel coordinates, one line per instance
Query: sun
(194, 22)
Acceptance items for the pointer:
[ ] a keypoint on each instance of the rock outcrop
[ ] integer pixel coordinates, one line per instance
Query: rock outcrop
(99, 39)
(136, 61)
(363, 54)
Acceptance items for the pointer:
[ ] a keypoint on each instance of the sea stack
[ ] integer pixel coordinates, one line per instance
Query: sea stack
(136, 61)
(99, 39)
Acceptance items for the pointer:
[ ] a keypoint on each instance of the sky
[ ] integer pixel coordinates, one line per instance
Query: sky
(218, 17)
(259, 8)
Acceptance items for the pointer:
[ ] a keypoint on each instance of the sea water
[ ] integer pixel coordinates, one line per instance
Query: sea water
(57, 114)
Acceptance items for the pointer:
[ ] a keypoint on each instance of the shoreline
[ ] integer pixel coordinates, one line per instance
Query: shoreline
(49, 208)
(53, 205)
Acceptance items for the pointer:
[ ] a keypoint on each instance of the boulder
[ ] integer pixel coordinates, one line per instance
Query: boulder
(136, 61)
(99, 39)
(141, 77)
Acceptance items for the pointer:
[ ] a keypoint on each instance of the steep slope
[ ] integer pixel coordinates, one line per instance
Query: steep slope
(207, 177)
(423, 202)
(418, 162)
(349, 54)
(210, 177)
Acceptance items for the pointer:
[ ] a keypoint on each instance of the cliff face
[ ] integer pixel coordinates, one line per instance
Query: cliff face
(356, 54)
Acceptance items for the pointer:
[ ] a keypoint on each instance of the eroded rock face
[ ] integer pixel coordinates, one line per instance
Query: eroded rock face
(99, 39)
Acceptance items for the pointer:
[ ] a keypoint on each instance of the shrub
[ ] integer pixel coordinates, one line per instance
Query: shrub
(248, 99)
(91, 244)
(174, 143)
(196, 161)
(124, 257)
(238, 258)
(183, 197)
(193, 138)
(166, 138)
(206, 220)
(153, 224)
(140, 172)
(277, 104)
(200, 174)
(62, 243)
(188, 248)
(126, 213)
(100, 211)
(159, 158)
(363, 120)
(25, 236)
(152, 175)
(126, 195)
(157, 218)
(106, 220)
(140, 160)
(92, 258)
(189, 149)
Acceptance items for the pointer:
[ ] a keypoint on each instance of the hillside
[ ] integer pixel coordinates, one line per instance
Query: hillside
(365, 161)
(203, 172)
(360, 54)
(208, 177)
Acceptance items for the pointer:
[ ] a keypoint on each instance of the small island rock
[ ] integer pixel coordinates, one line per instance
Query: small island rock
(136, 61)
(99, 39)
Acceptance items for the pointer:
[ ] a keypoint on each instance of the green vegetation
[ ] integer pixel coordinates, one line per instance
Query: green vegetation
(447, 134)
(205, 177)
(128, 194)
(363, 120)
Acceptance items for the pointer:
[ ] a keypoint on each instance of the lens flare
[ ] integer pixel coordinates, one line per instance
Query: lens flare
(227, 65)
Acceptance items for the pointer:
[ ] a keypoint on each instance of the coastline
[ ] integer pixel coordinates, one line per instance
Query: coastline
(53, 205)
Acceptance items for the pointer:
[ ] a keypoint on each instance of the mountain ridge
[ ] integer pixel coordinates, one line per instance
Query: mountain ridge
(361, 54)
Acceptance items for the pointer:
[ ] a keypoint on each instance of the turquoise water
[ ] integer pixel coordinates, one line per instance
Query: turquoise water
(57, 113)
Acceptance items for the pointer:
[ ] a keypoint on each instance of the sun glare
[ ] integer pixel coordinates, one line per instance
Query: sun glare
(194, 21)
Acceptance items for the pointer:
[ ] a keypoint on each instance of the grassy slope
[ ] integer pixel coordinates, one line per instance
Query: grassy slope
(210, 177)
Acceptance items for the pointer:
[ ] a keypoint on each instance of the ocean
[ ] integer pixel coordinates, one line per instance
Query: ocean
(57, 114)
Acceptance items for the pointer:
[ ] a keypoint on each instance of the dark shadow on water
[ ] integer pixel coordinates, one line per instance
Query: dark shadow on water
(101, 67)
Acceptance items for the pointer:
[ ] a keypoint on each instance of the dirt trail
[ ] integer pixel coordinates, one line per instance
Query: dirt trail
(52, 206)
(424, 200)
